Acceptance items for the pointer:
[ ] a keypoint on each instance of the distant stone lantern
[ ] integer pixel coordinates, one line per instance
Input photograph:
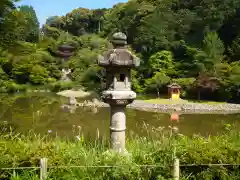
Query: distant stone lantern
(174, 91)
(118, 63)
(65, 52)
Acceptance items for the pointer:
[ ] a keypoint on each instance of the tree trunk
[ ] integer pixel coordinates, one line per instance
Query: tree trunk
(158, 95)
(99, 26)
(199, 94)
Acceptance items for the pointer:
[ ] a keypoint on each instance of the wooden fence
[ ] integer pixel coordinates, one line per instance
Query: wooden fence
(44, 168)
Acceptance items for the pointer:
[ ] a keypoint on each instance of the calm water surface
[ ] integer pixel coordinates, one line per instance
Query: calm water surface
(42, 113)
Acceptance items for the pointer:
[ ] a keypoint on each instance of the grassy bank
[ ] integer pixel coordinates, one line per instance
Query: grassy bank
(164, 99)
(24, 151)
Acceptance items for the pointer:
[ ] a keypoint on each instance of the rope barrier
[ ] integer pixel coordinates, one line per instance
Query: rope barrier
(115, 166)
(20, 168)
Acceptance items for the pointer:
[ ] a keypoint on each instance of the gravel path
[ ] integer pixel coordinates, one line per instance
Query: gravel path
(188, 107)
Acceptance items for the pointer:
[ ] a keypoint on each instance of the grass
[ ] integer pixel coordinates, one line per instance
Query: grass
(165, 100)
(17, 150)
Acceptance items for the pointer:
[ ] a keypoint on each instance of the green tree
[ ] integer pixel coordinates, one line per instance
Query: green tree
(136, 82)
(234, 49)
(51, 32)
(235, 81)
(21, 68)
(38, 75)
(12, 29)
(162, 62)
(211, 54)
(158, 81)
(54, 21)
(206, 83)
(6, 6)
(32, 30)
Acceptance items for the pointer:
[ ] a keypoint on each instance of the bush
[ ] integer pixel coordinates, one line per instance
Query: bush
(60, 86)
(14, 87)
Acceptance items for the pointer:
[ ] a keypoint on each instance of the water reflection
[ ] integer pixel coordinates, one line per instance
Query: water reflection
(43, 112)
(73, 105)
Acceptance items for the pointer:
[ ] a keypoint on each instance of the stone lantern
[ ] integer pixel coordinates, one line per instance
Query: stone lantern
(65, 52)
(118, 63)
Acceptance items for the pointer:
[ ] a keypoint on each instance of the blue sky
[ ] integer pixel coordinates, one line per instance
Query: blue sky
(47, 8)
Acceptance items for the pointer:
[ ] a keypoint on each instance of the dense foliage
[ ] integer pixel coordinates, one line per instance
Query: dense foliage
(194, 43)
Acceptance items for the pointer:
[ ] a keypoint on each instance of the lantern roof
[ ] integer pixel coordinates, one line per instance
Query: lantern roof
(66, 47)
(64, 54)
(119, 56)
(174, 86)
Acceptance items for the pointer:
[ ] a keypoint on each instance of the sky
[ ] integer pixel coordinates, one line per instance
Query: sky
(47, 8)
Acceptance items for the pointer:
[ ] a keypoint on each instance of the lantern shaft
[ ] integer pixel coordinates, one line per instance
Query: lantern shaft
(117, 128)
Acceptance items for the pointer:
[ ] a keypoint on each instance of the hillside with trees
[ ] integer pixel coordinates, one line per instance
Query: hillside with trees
(193, 43)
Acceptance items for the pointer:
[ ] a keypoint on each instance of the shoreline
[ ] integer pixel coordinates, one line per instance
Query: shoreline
(183, 108)
(191, 108)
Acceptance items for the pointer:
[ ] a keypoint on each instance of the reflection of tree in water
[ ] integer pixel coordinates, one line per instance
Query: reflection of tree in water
(6, 103)
(73, 105)
(27, 110)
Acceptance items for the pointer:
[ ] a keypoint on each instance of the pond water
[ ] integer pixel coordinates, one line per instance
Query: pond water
(42, 113)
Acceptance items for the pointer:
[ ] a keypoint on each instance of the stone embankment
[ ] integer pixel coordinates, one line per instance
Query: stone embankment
(183, 108)
(147, 106)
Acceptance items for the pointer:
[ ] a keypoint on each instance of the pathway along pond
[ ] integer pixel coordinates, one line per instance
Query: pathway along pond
(43, 113)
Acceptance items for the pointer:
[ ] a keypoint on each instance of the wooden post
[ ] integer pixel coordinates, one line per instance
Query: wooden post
(43, 169)
(176, 169)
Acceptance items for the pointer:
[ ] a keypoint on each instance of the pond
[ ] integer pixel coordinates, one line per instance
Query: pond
(43, 113)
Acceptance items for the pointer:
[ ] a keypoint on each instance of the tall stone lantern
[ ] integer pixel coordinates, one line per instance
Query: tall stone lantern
(118, 63)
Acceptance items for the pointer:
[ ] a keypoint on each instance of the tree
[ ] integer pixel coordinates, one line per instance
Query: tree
(162, 62)
(206, 83)
(32, 30)
(136, 81)
(235, 80)
(211, 53)
(51, 32)
(6, 6)
(38, 75)
(234, 50)
(158, 81)
(12, 29)
(54, 21)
